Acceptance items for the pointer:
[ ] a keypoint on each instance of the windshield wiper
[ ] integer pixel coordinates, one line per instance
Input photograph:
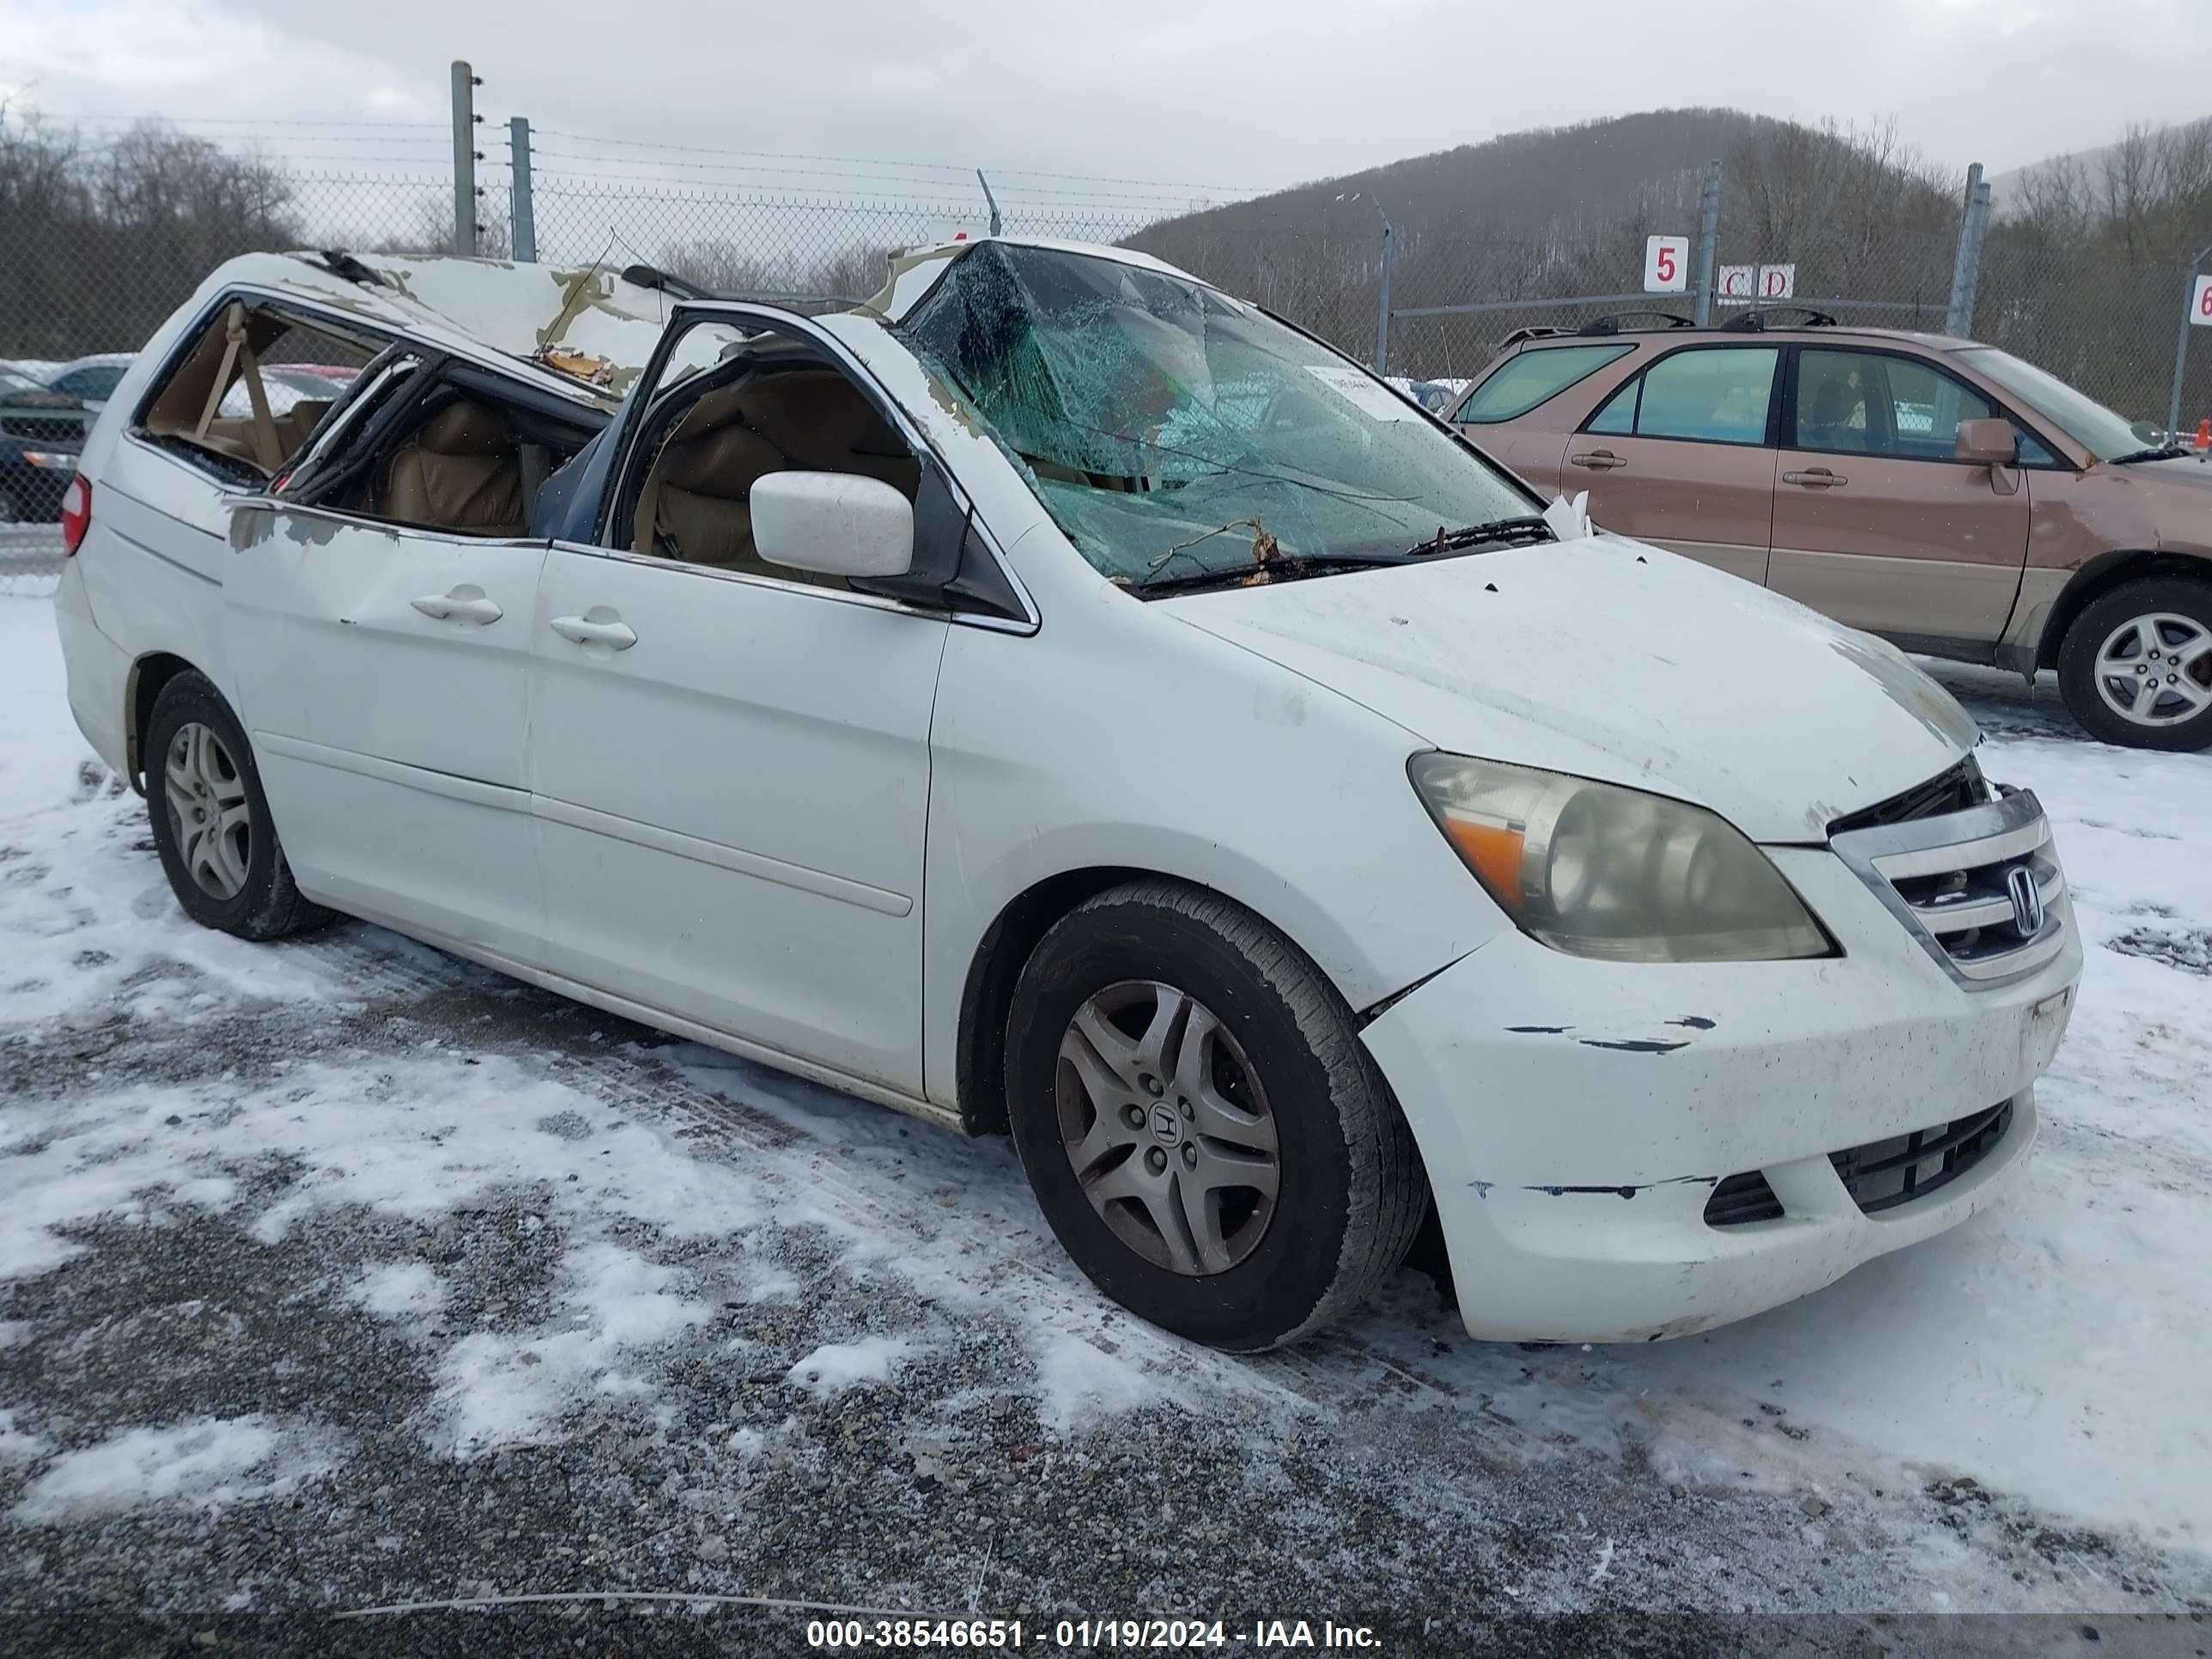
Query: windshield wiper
(1284, 567)
(2155, 452)
(1531, 525)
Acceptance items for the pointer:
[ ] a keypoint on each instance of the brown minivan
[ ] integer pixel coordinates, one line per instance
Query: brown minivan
(1945, 495)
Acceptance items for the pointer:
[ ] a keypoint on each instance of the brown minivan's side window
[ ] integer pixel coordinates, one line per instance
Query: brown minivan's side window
(1710, 394)
(1865, 403)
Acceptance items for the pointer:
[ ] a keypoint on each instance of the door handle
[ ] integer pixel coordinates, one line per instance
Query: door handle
(1816, 477)
(602, 627)
(463, 603)
(1597, 460)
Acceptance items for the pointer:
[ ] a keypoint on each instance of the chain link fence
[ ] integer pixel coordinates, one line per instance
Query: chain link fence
(103, 234)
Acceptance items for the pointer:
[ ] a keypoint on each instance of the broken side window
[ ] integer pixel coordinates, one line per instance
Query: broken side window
(443, 446)
(244, 397)
(744, 405)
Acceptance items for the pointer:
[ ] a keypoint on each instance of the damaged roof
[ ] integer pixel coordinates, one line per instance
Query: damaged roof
(582, 323)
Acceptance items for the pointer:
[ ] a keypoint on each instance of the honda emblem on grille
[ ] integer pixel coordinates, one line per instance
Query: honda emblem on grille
(2026, 901)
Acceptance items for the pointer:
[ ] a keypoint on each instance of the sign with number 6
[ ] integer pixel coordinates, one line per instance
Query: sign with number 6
(1666, 264)
(2200, 303)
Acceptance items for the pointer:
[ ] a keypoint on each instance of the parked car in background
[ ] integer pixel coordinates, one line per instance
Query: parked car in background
(1435, 396)
(90, 380)
(1056, 697)
(41, 433)
(1946, 494)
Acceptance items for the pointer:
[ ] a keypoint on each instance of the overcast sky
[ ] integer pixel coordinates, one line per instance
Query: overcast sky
(1217, 92)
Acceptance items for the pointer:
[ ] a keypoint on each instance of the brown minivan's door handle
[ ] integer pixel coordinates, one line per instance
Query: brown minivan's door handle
(1816, 478)
(1597, 460)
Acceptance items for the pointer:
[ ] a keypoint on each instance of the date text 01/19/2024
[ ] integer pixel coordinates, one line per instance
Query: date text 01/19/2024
(1085, 1635)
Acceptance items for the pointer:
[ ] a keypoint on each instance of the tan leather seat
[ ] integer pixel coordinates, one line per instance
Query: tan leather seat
(693, 505)
(459, 471)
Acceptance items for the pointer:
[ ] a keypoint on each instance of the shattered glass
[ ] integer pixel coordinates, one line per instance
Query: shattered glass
(1173, 431)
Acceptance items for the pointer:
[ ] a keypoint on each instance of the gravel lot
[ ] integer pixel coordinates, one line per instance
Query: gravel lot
(340, 1274)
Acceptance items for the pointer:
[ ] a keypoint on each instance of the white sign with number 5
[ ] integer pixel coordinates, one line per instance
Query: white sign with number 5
(2200, 303)
(1666, 264)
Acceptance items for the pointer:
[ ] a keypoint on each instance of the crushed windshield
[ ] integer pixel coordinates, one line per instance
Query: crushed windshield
(2104, 433)
(1174, 433)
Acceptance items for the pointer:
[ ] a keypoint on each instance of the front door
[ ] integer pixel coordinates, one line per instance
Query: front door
(732, 774)
(1682, 456)
(1875, 522)
(381, 674)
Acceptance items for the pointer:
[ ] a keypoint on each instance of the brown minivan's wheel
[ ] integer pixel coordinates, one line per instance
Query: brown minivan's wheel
(1202, 1127)
(210, 821)
(2136, 667)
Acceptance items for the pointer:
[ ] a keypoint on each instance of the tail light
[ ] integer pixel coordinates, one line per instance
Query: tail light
(77, 513)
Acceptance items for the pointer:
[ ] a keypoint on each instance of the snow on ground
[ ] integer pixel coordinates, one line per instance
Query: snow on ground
(202, 1465)
(344, 1216)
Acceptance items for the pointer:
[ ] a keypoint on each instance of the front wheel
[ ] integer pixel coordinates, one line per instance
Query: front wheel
(1203, 1128)
(210, 820)
(2136, 667)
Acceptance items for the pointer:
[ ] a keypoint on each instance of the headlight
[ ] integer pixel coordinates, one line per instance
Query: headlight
(64, 459)
(1595, 870)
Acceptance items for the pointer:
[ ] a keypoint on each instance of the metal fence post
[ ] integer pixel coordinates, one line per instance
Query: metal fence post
(523, 210)
(1709, 227)
(1382, 305)
(465, 159)
(1967, 263)
(2181, 343)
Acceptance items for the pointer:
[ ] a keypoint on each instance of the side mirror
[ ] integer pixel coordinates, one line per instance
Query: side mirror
(833, 522)
(1987, 443)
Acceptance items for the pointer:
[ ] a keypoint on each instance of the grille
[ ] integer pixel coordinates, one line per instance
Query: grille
(44, 428)
(1950, 877)
(1879, 1176)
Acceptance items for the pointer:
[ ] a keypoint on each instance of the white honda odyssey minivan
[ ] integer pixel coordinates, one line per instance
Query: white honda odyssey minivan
(1057, 697)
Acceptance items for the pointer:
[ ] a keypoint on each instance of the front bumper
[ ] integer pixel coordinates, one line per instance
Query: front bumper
(1575, 1116)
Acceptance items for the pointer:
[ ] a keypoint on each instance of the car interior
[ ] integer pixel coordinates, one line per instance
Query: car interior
(441, 446)
(739, 423)
(186, 414)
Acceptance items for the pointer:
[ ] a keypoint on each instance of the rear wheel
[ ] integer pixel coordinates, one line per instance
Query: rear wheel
(2136, 667)
(210, 820)
(1204, 1130)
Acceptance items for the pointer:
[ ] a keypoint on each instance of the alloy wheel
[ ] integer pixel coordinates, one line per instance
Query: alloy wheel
(1167, 1127)
(210, 815)
(2156, 670)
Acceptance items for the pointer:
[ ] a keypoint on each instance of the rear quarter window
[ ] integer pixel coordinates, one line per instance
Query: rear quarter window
(1532, 379)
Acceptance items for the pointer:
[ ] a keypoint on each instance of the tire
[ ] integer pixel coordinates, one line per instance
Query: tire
(2108, 642)
(1269, 1052)
(9, 513)
(231, 878)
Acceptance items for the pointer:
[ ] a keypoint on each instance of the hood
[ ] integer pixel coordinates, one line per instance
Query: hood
(2185, 472)
(38, 398)
(1611, 659)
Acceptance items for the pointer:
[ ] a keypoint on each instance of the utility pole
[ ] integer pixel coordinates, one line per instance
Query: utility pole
(523, 211)
(1966, 266)
(2181, 345)
(465, 159)
(1709, 227)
